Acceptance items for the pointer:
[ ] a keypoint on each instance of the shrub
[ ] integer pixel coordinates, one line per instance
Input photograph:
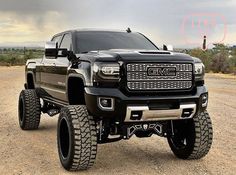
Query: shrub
(205, 56)
(220, 63)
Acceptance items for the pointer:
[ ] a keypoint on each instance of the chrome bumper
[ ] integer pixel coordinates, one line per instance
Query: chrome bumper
(185, 111)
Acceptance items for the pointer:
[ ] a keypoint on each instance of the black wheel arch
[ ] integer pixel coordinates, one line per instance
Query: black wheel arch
(30, 80)
(75, 90)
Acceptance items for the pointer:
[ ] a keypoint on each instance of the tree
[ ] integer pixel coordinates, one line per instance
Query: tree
(218, 62)
(28, 55)
(205, 56)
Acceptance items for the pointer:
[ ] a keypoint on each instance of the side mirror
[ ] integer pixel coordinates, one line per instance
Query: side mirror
(51, 49)
(62, 52)
(168, 47)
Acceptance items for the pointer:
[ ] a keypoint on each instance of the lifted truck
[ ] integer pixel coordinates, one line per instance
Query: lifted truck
(111, 85)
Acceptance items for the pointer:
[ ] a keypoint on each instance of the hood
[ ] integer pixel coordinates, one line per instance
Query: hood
(125, 55)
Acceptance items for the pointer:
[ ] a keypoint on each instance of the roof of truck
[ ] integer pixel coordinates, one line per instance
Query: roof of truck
(90, 30)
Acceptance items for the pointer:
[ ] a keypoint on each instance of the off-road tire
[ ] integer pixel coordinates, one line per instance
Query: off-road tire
(76, 138)
(198, 134)
(29, 110)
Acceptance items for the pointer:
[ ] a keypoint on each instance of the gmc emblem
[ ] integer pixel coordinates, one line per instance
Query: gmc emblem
(161, 71)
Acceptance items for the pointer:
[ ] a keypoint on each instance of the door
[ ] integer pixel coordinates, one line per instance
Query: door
(61, 65)
(52, 76)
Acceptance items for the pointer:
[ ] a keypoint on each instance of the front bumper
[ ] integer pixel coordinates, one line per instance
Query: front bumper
(123, 102)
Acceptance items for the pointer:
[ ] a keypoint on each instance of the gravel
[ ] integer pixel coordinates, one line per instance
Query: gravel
(35, 152)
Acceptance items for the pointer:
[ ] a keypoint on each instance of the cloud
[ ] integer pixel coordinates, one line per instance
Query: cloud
(161, 20)
(15, 28)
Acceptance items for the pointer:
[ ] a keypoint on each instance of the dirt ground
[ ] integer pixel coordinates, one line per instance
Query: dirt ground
(35, 152)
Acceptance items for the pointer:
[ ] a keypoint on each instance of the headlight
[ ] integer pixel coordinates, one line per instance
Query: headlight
(199, 70)
(111, 69)
(106, 71)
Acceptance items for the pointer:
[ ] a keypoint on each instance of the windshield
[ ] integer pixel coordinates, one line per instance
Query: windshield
(102, 40)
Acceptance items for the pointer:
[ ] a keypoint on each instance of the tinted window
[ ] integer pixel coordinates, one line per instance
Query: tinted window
(93, 40)
(66, 42)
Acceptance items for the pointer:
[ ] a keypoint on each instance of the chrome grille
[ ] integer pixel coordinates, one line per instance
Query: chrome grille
(138, 78)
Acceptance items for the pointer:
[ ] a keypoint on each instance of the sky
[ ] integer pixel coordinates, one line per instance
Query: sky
(181, 23)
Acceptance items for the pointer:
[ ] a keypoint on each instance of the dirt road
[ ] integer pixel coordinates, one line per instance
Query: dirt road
(35, 152)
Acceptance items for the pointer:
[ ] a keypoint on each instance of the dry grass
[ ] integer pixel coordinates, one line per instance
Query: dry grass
(220, 75)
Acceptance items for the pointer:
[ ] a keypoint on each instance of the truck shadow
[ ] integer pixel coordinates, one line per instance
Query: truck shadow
(49, 125)
(135, 154)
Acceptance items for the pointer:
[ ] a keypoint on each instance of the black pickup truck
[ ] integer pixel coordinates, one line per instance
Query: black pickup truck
(111, 85)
